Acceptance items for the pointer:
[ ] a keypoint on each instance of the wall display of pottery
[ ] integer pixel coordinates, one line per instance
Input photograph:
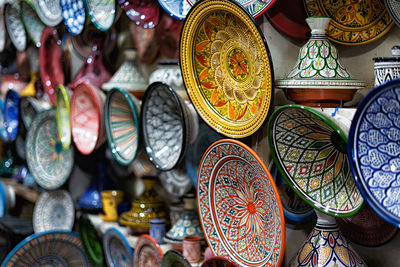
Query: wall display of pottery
(387, 68)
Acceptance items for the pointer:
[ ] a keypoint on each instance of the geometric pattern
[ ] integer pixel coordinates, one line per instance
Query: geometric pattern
(74, 15)
(310, 151)
(147, 252)
(239, 206)
(117, 250)
(102, 13)
(375, 150)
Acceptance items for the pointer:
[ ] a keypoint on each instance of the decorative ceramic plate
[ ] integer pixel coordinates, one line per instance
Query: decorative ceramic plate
(14, 25)
(239, 206)
(353, 22)
(310, 152)
(289, 17)
(3, 200)
(101, 13)
(174, 258)
(2, 28)
(11, 114)
(226, 67)
(50, 60)
(54, 248)
(295, 209)
(3, 132)
(90, 240)
(164, 121)
(117, 249)
(147, 252)
(176, 181)
(48, 162)
(63, 119)
(176, 9)
(145, 13)
(122, 125)
(54, 210)
(49, 11)
(375, 152)
(393, 7)
(74, 15)
(33, 25)
(254, 7)
(218, 262)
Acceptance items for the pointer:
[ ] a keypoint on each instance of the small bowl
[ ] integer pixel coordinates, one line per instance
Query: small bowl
(74, 15)
(11, 114)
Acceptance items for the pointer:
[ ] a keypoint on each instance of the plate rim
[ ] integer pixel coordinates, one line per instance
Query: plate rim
(112, 231)
(65, 100)
(85, 223)
(94, 19)
(151, 241)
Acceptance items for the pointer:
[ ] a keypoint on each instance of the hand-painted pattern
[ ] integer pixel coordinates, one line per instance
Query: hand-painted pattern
(102, 13)
(117, 250)
(74, 15)
(147, 252)
(177, 9)
(239, 206)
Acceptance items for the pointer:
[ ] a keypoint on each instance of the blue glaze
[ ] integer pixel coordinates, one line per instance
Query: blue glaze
(73, 13)
(11, 114)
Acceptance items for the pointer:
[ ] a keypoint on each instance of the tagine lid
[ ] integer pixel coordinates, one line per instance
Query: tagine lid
(394, 58)
(318, 65)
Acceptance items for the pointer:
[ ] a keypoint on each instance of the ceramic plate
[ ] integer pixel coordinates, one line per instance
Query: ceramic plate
(53, 210)
(63, 118)
(310, 152)
(176, 9)
(164, 122)
(50, 60)
(2, 29)
(33, 25)
(122, 125)
(176, 181)
(174, 258)
(54, 248)
(3, 132)
(226, 67)
(14, 26)
(3, 200)
(239, 206)
(374, 150)
(218, 262)
(117, 249)
(49, 11)
(353, 22)
(393, 7)
(145, 13)
(11, 114)
(48, 162)
(90, 240)
(101, 13)
(147, 252)
(74, 15)
(289, 17)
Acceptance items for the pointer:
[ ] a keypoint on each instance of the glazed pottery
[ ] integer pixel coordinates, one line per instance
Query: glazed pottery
(226, 67)
(29, 107)
(3, 200)
(157, 230)
(128, 77)
(2, 27)
(50, 59)
(387, 68)
(48, 248)
(145, 43)
(374, 150)
(111, 198)
(101, 13)
(175, 211)
(91, 199)
(14, 25)
(147, 252)
(239, 206)
(168, 72)
(353, 22)
(326, 246)
(90, 240)
(87, 124)
(146, 207)
(145, 13)
(13, 82)
(11, 114)
(49, 11)
(218, 262)
(63, 115)
(33, 25)
(318, 78)
(174, 258)
(117, 250)
(48, 162)
(176, 181)
(191, 248)
(74, 15)
(176, 9)
(310, 151)
(121, 112)
(393, 7)
(3, 132)
(53, 210)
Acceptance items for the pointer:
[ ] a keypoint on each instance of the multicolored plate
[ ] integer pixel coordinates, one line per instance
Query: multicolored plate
(239, 206)
(54, 210)
(374, 150)
(14, 25)
(102, 13)
(353, 22)
(33, 25)
(174, 258)
(49, 11)
(176, 9)
(122, 125)
(53, 248)
(226, 67)
(145, 13)
(117, 249)
(63, 119)
(310, 152)
(147, 252)
(90, 240)
(11, 114)
(74, 15)
(393, 7)
(49, 163)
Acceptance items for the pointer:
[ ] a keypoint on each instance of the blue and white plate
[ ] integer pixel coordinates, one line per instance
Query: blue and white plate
(177, 9)
(11, 114)
(73, 13)
(374, 150)
(117, 249)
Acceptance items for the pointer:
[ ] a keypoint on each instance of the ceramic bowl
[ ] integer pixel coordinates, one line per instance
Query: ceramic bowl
(145, 13)
(50, 60)
(33, 25)
(12, 82)
(101, 13)
(14, 25)
(122, 125)
(87, 124)
(174, 258)
(63, 115)
(11, 114)
(147, 252)
(117, 250)
(74, 15)
(387, 68)
(49, 11)
(145, 43)
(168, 72)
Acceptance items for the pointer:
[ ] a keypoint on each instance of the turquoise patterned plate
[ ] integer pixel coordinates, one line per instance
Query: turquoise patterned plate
(102, 13)
(117, 249)
(48, 162)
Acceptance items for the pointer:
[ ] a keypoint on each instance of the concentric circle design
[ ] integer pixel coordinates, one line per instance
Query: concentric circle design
(74, 15)
(14, 26)
(102, 13)
(147, 252)
(226, 67)
(239, 206)
(49, 11)
(310, 152)
(63, 118)
(33, 25)
(117, 249)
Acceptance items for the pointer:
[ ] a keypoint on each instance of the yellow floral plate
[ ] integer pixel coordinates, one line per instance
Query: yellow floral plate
(352, 22)
(226, 67)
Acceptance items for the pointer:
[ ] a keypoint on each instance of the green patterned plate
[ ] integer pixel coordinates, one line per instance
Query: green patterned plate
(63, 119)
(90, 240)
(311, 153)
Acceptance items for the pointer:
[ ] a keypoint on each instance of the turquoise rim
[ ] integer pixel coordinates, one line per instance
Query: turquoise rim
(93, 18)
